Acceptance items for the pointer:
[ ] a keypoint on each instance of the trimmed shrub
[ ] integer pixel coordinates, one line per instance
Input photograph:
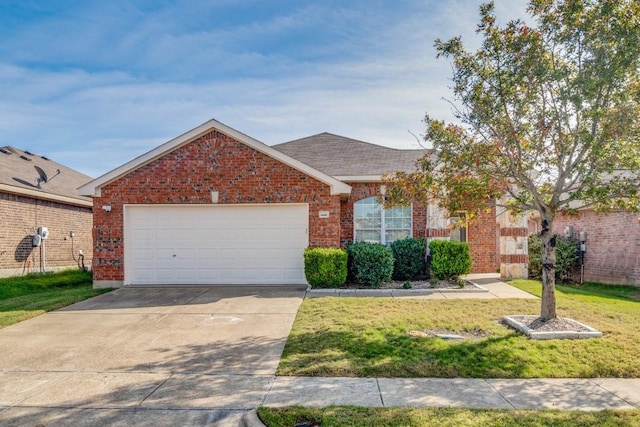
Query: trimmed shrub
(408, 258)
(566, 257)
(325, 267)
(449, 259)
(370, 264)
(534, 245)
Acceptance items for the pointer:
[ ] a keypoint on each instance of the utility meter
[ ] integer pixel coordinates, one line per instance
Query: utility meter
(43, 232)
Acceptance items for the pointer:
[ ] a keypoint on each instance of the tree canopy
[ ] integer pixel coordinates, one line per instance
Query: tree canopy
(548, 114)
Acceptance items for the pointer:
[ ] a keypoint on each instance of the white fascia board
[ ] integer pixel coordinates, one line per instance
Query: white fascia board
(4, 188)
(360, 178)
(93, 188)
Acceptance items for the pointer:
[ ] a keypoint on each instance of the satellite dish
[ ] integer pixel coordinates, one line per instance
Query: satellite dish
(42, 173)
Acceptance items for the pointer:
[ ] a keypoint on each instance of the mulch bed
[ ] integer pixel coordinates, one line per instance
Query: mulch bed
(554, 325)
(415, 284)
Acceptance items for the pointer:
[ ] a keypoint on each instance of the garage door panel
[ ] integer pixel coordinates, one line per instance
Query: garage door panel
(223, 244)
(183, 275)
(164, 275)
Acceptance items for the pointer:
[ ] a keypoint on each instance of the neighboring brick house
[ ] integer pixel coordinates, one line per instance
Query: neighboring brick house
(215, 206)
(27, 203)
(612, 246)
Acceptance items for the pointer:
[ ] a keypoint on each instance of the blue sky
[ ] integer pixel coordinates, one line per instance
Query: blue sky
(92, 84)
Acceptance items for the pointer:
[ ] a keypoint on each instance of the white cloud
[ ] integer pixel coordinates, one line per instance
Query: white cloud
(373, 79)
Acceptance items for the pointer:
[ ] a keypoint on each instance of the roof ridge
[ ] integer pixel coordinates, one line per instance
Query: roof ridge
(312, 139)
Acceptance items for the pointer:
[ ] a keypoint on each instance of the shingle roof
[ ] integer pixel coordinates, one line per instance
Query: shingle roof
(339, 156)
(18, 175)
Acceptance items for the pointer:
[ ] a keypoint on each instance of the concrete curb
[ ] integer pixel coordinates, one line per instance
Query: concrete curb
(251, 419)
(391, 293)
(515, 324)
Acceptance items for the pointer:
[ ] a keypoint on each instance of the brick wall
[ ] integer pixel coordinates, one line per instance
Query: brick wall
(187, 175)
(481, 236)
(363, 190)
(20, 218)
(613, 245)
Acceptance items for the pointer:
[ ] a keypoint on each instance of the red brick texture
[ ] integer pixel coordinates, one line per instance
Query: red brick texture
(483, 243)
(20, 218)
(187, 175)
(613, 245)
(514, 232)
(438, 232)
(514, 259)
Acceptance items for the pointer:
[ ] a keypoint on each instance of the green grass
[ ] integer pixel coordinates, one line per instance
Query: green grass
(28, 296)
(442, 417)
(369, 337)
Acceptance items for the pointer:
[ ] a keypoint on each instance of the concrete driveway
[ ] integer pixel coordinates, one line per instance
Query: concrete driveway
(147, 356)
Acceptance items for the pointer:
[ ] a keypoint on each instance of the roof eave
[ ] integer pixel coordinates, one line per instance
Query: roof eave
(45, 196)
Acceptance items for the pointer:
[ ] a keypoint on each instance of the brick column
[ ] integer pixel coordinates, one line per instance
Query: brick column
(514, 250)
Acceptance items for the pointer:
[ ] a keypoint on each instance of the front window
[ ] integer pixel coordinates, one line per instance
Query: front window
(374, 224)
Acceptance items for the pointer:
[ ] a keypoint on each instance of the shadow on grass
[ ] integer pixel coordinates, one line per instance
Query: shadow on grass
(345, 353)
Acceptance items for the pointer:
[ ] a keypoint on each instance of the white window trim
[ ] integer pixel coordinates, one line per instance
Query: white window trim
(383, 229)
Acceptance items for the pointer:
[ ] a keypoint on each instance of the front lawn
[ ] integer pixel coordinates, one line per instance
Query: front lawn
(442, 417)
(28, 296)
(369, 337)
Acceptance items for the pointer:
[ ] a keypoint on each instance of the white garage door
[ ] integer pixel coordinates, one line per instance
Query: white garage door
(208, 245)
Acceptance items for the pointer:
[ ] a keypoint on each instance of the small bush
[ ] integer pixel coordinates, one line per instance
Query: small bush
(408, 258)
(370, 264)
(325, 267)
(449, 259)
(535, 256)
(566, 257)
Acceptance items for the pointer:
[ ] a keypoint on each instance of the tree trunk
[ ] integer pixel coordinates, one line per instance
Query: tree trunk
(548, 309)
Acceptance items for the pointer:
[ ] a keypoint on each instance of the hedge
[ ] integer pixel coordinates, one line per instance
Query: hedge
(566, 257)
(325, 267)
(449, 259)
(409, 258)
(370, 264)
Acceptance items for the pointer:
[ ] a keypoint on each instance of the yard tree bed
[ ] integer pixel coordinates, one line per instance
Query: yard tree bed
(370, 337)
(337, 416)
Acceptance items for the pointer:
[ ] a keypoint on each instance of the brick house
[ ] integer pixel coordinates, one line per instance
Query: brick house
(28, 203)
(215, 206)
(612, 246)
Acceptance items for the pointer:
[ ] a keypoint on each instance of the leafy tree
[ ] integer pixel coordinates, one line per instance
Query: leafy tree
(548, 115)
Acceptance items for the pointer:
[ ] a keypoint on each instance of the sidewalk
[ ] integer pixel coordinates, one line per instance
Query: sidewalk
(565, 394)
(487, 286)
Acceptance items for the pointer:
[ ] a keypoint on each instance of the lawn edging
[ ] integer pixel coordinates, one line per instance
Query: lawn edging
(390, 293)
